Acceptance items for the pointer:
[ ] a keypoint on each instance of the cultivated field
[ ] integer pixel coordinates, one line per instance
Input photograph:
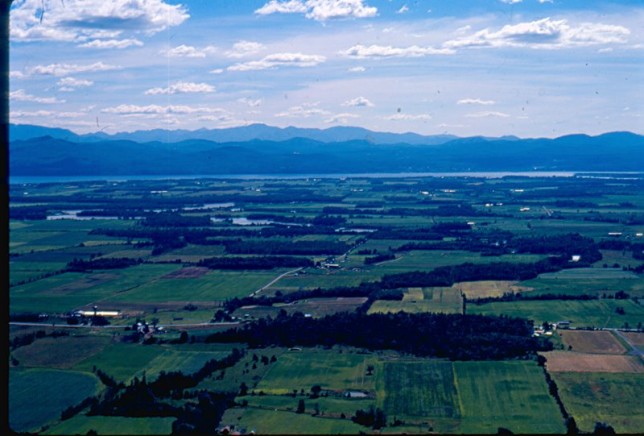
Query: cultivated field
(563, 361)
(613, 398)
(37, 396)
(599, 342)
(489, 288)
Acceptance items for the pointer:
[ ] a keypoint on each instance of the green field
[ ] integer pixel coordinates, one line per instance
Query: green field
(580, 285)
(615, 399)
(277, 422)
(122, 361)
(417, 300)
(589, 313)
(419, 389)
(112, 425)
(62, 352)
(329, 369)
(513, 395)
(37, 396)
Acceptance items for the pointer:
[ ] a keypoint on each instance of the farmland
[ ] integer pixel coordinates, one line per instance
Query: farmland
(251, 303)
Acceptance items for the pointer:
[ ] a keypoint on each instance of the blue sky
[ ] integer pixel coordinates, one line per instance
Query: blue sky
(531, 68)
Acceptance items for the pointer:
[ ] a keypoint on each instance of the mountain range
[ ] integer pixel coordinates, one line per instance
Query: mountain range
(261, 149)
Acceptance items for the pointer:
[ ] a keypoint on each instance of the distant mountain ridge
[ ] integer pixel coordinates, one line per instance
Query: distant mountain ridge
(233, 134)
(52, 156)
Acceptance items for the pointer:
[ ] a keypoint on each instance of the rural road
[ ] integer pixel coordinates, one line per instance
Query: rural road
(275, 280)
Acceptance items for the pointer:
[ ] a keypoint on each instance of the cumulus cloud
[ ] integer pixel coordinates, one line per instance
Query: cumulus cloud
(342, 118)
(511, 2)
(381, 51)
(244, 48)
(544, 33)
(408, 117)
(486, 114)
(305, 110)
(16, 75)
(403, 9)
(357, 69)
(21, 95)
(475, 101)
(358, 102)
(181, 88)
(217, 71)
(188, 51)
(68, 84)
(319, 10)
(153, 109)
(80, 20)
(251, 103)
(279, 60)
(112, 43)
(65, 69)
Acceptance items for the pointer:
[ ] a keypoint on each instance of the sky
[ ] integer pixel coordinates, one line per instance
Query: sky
(530, 68)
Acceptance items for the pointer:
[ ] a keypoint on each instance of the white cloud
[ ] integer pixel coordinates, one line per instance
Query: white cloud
(17, 75)
(475, 101)
(251, 103)
(217, 71)
(188, 51)
(403, 9)
(181, 88)
(381, 51)
(486, 114)
(153, 109)
(320, 10)
(244, 48)
(357, 70)
(279, 60)
(342, 118)
(511, 2)
(544, 33)
(21, 95)
(546, 1)
(408, 117)
(68, 84)
(80, 20)
(65, 69)
(112, 43)
(306, 110)
(358, 102)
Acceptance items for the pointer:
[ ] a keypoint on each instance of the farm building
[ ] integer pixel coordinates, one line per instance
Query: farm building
(563, 324)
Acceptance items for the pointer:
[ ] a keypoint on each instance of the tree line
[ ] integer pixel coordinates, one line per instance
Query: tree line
(452, 336)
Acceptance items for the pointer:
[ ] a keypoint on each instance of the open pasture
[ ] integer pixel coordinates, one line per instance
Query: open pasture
(590, 273)
(63, 352)
(215, 285)
(565, 361)
(489, 288)
(112, 425)
(592, 286)
(582, 313)
(282, 422)
(68, 291)
(316, 307)
(185, 361)
(612, 398)
(594, 342)
(419, 389)
(121, 360)
(417, 300)
(329, 369)
(513, 395)
(38, 396)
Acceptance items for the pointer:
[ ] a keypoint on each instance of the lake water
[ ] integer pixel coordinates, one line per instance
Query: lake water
(18, 180)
